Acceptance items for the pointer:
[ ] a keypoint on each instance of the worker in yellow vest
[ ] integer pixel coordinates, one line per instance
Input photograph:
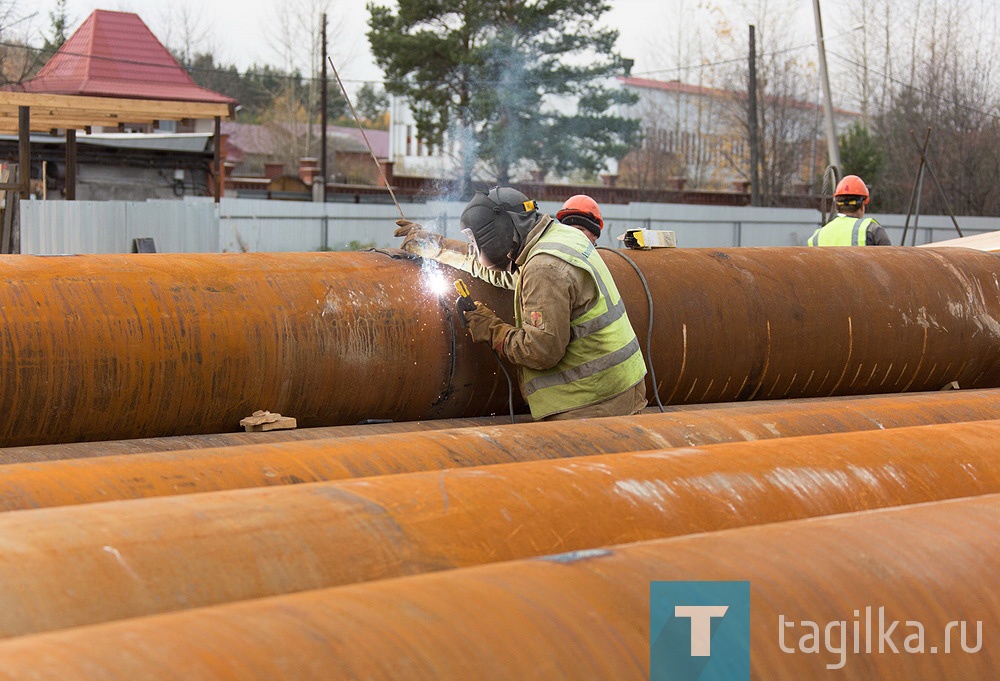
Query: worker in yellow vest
(572, 340)
(850, 227)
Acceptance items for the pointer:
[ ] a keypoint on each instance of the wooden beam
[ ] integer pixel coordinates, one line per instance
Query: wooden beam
(163, 109)
(48, 124)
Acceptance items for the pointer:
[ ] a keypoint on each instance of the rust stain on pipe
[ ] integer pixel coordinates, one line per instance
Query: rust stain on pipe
(585, 615)
(80, 450)
(64, 567)
(101, 347)
(764, 323)
(112, 346)
(133, 476)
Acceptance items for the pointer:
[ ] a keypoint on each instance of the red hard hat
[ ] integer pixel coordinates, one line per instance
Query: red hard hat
(852, 185)
(581, 204)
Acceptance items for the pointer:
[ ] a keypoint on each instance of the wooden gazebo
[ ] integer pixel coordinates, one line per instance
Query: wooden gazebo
(26, 112)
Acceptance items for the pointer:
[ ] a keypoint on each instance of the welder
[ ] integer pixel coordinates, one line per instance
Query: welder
(572, 340)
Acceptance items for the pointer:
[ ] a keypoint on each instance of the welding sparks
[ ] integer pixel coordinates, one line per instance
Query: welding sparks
(434, 281)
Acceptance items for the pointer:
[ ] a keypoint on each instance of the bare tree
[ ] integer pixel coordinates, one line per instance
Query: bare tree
(944, 80)
(186, 34)
(17, 61)
(788, 126)
(293, 33)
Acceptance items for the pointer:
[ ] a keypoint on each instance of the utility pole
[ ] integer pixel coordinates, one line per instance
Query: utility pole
(322, 113)
(824, 76)
(754, 137)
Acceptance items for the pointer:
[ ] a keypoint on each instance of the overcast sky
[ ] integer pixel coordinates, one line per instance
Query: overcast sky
(238, 30)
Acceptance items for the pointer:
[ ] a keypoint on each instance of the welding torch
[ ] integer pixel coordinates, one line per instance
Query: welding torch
(464, 302)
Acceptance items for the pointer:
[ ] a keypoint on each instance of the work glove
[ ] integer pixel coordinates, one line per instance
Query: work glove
(486, 327)
(417, 240)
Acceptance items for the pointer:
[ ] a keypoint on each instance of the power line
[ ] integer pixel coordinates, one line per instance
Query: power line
(915, 88)
(203, 69)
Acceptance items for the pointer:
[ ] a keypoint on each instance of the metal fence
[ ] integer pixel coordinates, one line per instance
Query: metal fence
(199, 225)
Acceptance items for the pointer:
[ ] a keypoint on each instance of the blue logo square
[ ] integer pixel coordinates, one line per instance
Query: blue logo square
(699, 631)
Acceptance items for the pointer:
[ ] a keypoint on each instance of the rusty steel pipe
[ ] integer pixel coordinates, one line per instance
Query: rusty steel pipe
(763, 323)
(134, 476)
(114, 346)
(64, 567)
(586, 615)
(81, 450)
(99, 347)
(969, 405)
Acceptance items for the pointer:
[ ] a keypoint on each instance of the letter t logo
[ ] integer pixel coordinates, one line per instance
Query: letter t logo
(701, 625)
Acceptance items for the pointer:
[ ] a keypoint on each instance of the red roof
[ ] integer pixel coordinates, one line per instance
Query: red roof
(114, 54)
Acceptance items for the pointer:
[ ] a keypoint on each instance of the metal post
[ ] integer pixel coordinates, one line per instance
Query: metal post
(831, 129)
(71, 164)
(24, 150)
(217, 159)
(754, 137)
(323, 114)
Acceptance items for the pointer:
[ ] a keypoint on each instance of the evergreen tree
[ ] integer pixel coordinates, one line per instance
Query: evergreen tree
(510, 80)
(59, 27)
(861, 154)
(371, 103)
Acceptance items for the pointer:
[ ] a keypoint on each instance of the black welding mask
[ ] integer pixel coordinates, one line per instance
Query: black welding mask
(498, 224)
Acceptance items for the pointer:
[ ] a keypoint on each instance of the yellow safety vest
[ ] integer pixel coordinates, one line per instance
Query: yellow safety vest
(843, 230)
(603, 358)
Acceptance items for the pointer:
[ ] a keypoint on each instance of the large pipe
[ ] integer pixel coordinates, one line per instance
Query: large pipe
(936, 407)
(586, 615)
(114, 346)
(101, 347)
(63, 567)
(133, 476)
(81, 450)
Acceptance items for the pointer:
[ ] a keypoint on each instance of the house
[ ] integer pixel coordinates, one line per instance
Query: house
(114, 55)
(692, 135)
(690, 140)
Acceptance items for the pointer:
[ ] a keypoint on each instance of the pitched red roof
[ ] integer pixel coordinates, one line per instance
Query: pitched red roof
(114, 54)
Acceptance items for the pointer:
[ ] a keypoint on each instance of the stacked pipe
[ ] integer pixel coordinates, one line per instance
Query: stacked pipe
(91, 563)
(585, 615)
(115, 346)
(132, 476)
(311, 555)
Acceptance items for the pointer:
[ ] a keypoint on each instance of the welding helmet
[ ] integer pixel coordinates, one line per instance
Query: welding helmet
(582, 211)
(498, 223)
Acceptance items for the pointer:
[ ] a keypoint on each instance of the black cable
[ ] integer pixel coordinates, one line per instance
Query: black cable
(510, 386)
(649, 334)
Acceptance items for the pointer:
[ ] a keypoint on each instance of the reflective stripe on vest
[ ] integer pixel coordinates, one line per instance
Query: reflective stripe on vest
(602, 358)
(842, 231)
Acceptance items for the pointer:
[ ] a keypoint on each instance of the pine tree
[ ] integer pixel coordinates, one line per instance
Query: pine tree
(59, 27)
(510, 80)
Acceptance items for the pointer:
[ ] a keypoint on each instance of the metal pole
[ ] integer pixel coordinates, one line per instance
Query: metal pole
(217, 160)
(913, 192)
(916, 215)
(322, 117)
(71, 164)
(944, 195)
(754, 138)
(831, 129)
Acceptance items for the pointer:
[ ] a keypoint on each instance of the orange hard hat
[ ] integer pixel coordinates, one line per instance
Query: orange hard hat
(581, 204)
(852, 185)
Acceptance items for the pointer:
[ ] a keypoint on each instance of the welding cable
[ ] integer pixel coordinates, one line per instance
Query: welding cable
(510, 386)
(649, 334)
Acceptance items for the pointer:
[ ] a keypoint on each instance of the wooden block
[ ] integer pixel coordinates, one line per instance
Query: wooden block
(282, 423)
(262, 420)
